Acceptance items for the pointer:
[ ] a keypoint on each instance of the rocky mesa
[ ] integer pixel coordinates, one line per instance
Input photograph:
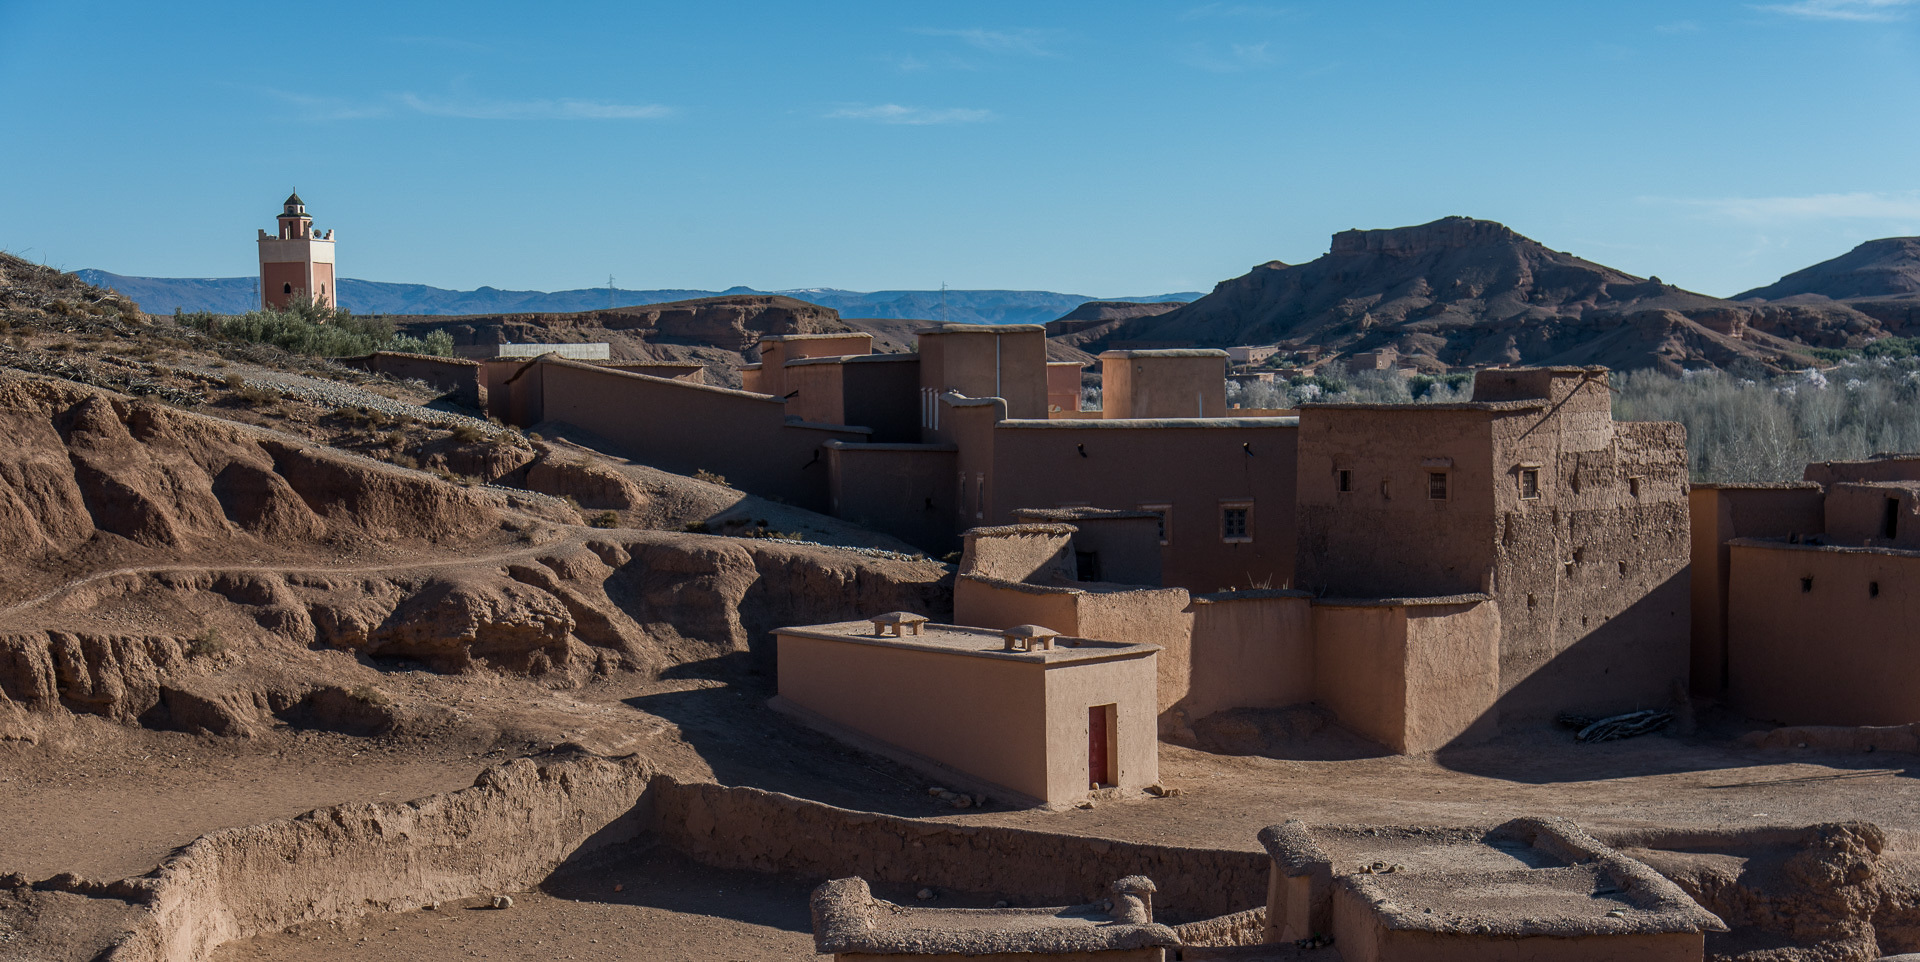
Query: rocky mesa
(1460, 291)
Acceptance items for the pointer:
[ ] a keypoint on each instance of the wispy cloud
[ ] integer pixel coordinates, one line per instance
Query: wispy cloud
(316, 108)
(1234, 58)
(1871, 11)
(1030, 43)
(1236, 11)
(914, 116)
(533, 109)
(328, 108)
(1866, 205)
(915, 63)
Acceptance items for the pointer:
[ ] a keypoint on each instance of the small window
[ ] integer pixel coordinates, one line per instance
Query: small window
(1529, 484)
(286, 288)
(1633, 486)
(1436, 485)
(1806, 585)
(1344, 479)
(1873, 589)
(1890, 525)
(980, 494)
(963, 494)
(1236, 522)
(1386, 492)
(1165, 511)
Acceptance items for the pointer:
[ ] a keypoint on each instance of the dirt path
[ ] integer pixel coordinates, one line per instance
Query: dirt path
(667, 909)
(117, 809)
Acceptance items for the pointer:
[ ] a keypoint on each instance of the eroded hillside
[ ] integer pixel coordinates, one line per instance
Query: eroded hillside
(234, 549)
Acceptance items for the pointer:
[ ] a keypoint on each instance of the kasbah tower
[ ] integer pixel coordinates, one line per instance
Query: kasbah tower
(297, 262)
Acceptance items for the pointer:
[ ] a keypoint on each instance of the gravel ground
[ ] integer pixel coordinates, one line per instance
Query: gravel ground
(322, 391)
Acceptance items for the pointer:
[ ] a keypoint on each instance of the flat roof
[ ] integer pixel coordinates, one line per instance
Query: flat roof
(1521, 405)
(958, 328)
(1166, 352)
(973, 643)
(1116, 424)
(1082, 514)
(851, 359)
(839, 445)
(1755, 486)
(1781, 544)
(813, 337)
(1462, 599)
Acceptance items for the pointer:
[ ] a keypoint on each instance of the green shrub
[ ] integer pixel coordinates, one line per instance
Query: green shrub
(605, 519)
(207, 644)
(468, 434)
(369, 695)
(307, 327)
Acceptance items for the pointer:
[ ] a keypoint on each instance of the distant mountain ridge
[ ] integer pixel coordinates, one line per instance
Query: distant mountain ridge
(233, 295)
(1888, 267)
(1460, 292)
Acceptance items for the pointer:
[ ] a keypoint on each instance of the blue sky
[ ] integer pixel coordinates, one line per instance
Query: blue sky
(1097, 148)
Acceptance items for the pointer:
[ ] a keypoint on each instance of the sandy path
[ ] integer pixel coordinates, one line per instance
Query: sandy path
(119, 812)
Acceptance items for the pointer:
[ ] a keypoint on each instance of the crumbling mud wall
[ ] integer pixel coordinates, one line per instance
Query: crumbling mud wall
(746, 828)
(1836, 892)
(512, 828)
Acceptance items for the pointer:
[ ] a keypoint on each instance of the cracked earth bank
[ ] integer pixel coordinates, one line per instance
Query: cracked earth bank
(263, 699)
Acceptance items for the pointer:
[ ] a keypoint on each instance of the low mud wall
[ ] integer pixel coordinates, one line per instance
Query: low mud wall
(747, 828)
(510, 830)
(521, 821)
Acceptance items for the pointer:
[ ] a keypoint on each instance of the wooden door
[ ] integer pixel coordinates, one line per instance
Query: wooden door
(1100, 746)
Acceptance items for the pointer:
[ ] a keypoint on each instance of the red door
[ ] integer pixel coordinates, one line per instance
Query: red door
(1099, 772)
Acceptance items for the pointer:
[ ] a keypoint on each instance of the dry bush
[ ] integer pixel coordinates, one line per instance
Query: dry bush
(605, 519)
(1767, 428)
(468, 434)
(709, 477)
(250, 392)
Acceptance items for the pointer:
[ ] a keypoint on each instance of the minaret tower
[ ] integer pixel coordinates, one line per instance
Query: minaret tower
(297, 262)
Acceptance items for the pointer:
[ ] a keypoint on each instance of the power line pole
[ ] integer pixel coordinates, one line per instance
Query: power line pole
(609, 292)
(943, 303)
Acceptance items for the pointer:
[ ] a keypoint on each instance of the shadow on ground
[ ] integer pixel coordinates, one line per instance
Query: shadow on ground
(1551, 756)
(746, 743)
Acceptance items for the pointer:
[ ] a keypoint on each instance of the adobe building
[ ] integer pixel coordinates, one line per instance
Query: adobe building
(1252, 353)
(1573, 526)
(1032, 715)
(1816, 594)
(297, 261)
(1529, 889)
(1427, 571)
(1063, 388)
(1163, 384)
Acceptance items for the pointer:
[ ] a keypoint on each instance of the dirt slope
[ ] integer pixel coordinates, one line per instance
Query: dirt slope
(1462, 291)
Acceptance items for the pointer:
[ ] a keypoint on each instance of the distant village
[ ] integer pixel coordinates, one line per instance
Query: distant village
(1431, 575)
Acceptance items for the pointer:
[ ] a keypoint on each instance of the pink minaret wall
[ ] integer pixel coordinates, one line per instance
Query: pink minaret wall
(296, 262)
